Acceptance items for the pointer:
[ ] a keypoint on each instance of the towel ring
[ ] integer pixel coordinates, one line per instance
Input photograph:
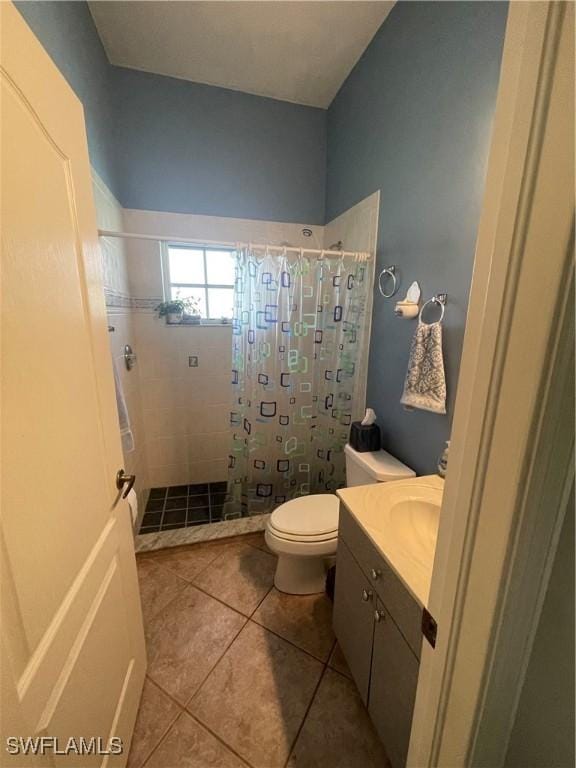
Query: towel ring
(391, 272)
(439, 299)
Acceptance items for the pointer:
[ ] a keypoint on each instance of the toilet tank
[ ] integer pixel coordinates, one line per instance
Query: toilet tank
(373, 467)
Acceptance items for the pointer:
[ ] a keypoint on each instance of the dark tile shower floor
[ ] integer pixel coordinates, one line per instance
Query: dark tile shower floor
(181, 506)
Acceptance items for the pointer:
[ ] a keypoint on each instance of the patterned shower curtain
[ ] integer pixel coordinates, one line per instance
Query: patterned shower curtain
(300, 333)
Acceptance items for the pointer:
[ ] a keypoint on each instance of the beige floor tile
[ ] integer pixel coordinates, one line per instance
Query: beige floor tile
(305, 620)
(158, 586)
(240, 577)
(186, 639)
(338, 662)
(189, 745)
(157, 711)
(338, 732)
(188, 562)
(256, 697)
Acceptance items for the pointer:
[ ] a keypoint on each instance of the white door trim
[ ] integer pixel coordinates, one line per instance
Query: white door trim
(503, 433)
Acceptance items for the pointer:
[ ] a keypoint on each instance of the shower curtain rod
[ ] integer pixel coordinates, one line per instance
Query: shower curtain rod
(222, 244)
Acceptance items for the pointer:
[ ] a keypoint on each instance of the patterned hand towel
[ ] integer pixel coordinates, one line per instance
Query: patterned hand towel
(425, 385)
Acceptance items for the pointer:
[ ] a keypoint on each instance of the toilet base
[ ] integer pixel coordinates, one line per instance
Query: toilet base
(300, 575)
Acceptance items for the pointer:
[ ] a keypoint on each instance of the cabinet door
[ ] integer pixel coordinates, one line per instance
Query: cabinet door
(354, 617)
(392, 687)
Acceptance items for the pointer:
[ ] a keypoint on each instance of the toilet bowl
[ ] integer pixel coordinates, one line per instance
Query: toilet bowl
(303, 532)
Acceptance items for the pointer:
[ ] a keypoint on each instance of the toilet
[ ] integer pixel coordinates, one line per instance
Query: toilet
(303, 532)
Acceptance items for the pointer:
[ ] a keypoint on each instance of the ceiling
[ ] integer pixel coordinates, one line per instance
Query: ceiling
(294, 51)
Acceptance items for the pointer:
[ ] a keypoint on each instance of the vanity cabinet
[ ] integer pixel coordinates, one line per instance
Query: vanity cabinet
(378, 625)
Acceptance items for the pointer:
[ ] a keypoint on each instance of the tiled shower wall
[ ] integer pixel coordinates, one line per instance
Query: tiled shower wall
(186, 408)
(120, 317)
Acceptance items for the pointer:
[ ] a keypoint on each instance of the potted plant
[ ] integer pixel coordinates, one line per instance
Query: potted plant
(192, 311)
(172, 310)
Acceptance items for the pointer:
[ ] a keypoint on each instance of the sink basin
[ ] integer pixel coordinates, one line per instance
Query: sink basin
(401, 518)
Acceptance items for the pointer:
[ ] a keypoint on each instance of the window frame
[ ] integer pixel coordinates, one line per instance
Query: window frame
(168, 284)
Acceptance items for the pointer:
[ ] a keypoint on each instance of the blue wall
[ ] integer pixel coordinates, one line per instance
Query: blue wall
(184, 147)
(170, 145)
(414, 120)
(67, 32)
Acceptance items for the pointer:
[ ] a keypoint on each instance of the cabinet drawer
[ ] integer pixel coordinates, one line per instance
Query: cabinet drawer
(354, 618)
(404, 608)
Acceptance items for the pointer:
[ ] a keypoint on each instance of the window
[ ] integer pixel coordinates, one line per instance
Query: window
(204, 273)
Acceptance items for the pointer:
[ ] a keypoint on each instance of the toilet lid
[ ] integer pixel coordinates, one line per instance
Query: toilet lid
(307, 516)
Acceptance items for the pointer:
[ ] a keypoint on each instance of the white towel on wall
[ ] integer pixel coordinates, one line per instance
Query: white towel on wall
(123, 418)
(425, 385)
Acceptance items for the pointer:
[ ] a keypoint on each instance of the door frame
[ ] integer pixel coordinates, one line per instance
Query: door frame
(511, 465)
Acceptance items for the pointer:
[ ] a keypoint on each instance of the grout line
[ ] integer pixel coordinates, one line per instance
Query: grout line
(164, 736)
(168, 727)
(217, 737)
(250, 618)
(261, 601)
(290, 642)
(192, 583)
(184, 707)
(308, 708)
(218, 600)
(179, 591)
(342, 674)
(207, 675)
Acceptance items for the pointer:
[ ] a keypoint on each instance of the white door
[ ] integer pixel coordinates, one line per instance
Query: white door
(73, 654)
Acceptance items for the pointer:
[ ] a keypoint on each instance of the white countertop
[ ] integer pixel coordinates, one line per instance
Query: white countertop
(401, 520)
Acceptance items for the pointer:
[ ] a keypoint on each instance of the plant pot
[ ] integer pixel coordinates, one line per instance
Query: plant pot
(174, 318)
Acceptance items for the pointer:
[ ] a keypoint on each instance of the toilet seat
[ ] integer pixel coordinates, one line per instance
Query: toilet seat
(301, 539)
(306, 519)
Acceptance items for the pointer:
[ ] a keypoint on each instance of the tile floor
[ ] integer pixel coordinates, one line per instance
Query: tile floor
(240, 674)
(181, 506)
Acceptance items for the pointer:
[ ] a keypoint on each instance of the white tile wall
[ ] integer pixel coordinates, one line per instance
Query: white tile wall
(357, 227)
(185, 410)
(115, 277)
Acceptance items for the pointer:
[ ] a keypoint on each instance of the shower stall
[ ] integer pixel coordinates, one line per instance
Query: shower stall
(251, 405)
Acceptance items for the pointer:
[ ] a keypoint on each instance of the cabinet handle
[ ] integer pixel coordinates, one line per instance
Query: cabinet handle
(375, 574)
(366, 595)
(379, 615)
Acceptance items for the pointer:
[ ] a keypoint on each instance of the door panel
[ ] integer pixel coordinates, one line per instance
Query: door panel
(354, 617)
(72, 632)
(42, 423)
